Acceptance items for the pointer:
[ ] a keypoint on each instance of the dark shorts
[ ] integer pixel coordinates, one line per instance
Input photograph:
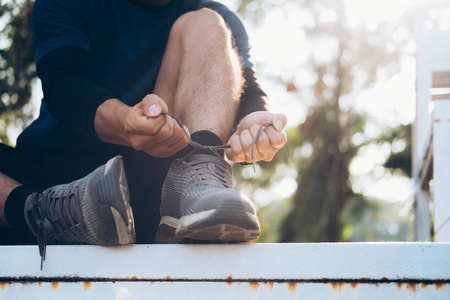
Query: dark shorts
(145, 176)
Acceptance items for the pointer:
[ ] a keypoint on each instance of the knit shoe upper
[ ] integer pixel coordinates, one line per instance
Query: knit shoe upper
(92, 210)
(199, 203)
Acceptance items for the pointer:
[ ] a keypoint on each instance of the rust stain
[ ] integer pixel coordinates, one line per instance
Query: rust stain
(367, 278)
(384, 278)
(39, 284)
(152, 282)
(399, 286)
(424, 286)
(87, 285)
(54, 285)
(253, 285)
(3, 285)
(292, 286)
(439, 286)
(168, 277)
(269, 283)
(337, 286)
(411, 287)
(354, 285)
(229, 280)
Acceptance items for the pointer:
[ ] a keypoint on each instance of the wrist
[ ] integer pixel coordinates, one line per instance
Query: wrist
(109, 122)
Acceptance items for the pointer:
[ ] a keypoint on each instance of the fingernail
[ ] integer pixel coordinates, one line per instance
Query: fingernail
(278, 125)
(154, 110)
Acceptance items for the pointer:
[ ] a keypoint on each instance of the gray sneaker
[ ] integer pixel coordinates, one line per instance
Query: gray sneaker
(198, 203)
(92, 210)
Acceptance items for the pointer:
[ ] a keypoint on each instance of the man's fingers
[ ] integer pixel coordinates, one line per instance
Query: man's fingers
(262, 150)
(277, 139)
(165, 149)
(187, 131)
(137, 123)
(152, 105)
(165, 132)
(169, 133)
(246, 139)
(279, 122)
(269, 140)
(165, 146)
(235, 153)
(178, 144)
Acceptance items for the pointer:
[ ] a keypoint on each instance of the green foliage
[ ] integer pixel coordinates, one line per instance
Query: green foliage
(400, 138)
(256, 10)
(17, 69)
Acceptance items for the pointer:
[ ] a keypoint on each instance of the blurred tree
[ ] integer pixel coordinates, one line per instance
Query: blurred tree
(400, 159)
(17, 68)
(346, 59)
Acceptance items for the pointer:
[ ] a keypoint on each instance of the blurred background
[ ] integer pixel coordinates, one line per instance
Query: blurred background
(343, 71)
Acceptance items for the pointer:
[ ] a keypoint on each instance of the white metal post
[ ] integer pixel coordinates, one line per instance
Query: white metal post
(441, 166)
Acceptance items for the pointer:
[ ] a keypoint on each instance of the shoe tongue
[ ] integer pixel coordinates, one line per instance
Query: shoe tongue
(205, 161)
(212, 170)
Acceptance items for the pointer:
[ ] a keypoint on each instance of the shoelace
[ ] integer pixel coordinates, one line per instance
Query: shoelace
(215, 149)
(59, 209)
(212, 174)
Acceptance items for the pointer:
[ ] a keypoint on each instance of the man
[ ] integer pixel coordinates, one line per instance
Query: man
(125, 81)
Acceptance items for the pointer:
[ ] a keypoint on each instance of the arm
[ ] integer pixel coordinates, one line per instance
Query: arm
(79, 103)
(142, 126)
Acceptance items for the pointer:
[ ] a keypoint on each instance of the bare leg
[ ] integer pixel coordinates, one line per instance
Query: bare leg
(200, 77)
(6, 186)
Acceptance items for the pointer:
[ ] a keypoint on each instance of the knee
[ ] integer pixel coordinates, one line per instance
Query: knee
(204, 23)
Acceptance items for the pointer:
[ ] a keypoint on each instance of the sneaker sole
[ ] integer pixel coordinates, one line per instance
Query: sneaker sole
(113, 190)
(229, 223)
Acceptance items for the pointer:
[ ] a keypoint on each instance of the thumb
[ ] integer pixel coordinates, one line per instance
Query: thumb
(279, 121)
(152, 106)
(260, 117)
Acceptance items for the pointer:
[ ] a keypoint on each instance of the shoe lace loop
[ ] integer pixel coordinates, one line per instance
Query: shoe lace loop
(215, 149)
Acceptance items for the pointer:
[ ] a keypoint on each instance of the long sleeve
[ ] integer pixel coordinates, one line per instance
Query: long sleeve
(72, 98)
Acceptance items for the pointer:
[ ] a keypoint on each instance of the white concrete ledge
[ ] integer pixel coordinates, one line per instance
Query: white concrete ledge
(369, 271)
(258, 262)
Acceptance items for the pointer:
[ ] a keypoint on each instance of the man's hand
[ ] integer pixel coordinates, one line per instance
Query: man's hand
(142, 126)
(270, 139)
